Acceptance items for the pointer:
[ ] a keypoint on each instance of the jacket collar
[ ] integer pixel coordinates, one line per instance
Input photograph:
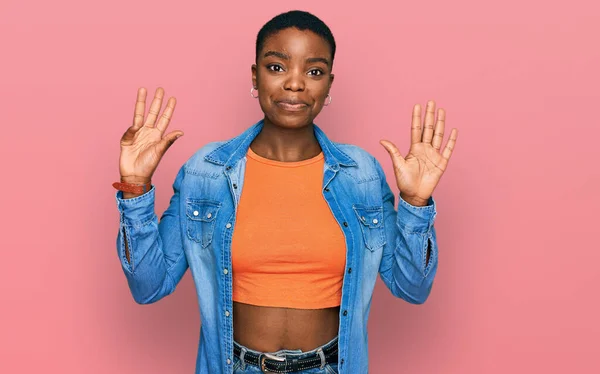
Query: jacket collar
(230, 152)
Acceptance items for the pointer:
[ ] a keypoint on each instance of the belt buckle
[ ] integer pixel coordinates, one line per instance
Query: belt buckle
(261, 360)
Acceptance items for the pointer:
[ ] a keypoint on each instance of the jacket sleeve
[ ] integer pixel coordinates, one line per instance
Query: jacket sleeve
(409, 234)
(156, 252)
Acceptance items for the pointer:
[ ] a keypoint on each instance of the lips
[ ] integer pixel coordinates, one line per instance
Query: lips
(292, 105)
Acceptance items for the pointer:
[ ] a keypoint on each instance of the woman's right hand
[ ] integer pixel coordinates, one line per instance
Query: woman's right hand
(143, 144)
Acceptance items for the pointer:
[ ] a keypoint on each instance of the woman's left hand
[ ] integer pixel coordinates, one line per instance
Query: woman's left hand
(419, 172)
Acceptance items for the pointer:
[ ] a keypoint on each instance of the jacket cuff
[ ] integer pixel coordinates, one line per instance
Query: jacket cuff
(417, 219)
(136, 210)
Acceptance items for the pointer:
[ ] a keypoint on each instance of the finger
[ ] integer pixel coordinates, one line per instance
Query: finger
(438, 135)
(450, 144)
(165, 118)
(155, 107)
(429, 122)
(395, 154)
(140, 108)
(415, 133)
(168, 141)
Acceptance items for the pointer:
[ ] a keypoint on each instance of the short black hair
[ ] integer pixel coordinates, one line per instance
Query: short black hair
(299, 19)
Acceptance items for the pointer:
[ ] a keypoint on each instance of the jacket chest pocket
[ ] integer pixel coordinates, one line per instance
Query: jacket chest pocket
(371, 224)
(201, 219)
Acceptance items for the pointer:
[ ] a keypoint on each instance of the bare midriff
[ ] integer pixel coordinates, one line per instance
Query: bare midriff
(270, 329)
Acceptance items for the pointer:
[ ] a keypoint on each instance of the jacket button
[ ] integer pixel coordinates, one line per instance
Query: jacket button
(228, 362)
(195, 212)
(234, 185)
(228, 168)
(327, 189)
(349, 270)
(226, 313)
(225, 271)
(342, 361)
(345, 224)
(228, 225)
(345, 312)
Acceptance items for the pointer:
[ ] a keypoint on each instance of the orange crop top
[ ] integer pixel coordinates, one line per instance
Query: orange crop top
(287, 248)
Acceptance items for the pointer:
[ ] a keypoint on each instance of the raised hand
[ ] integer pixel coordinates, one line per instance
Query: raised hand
(419, 172)
(144, 143)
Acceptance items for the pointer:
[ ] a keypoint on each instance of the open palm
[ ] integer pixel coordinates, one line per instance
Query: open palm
(420, 171)
(145, 143)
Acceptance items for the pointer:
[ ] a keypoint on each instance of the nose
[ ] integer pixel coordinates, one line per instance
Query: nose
(294, 81)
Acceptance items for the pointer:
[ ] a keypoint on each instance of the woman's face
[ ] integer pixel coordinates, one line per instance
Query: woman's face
(293, 77)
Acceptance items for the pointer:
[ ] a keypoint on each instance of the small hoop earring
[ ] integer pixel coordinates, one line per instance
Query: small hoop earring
(252, 94)
(328, 96)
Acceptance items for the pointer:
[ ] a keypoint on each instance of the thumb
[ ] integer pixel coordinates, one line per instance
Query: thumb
(397, 158)
(168, 140)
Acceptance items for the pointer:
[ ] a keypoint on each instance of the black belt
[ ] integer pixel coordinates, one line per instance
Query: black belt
(287, 364)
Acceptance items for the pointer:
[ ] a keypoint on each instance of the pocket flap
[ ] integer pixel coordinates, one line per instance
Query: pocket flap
(371, 216)
(202, 210)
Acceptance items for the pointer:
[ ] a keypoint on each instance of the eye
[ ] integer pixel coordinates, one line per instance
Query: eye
(317, 72)
(274, 66)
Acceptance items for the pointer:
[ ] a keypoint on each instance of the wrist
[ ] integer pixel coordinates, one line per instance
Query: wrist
(129, 195)
(132, 186)
(136, 180)
(413, 200)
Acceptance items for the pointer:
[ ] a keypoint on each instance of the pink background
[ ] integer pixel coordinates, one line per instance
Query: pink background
(517, 285)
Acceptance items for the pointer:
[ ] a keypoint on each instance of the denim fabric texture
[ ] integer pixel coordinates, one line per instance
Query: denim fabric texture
(195, 232)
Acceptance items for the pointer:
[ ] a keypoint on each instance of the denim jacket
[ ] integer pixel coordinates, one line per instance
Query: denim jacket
(195, 232)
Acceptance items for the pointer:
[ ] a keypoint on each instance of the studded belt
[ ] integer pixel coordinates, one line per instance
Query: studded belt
(270, 363)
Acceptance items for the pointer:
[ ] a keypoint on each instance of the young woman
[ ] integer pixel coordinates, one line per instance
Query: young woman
(284, 230)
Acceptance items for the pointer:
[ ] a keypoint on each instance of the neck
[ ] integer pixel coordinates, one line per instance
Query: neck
(286, 144)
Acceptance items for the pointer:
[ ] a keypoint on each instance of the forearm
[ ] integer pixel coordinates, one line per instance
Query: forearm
(128, 195)
(418, 202)
(409, 261)
(151, 254)
(144, 264)
(414, 271)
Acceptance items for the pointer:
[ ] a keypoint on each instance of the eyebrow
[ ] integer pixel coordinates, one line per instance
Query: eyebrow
(284, 56)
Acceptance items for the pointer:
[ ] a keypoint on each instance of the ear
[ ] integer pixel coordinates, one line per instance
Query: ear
(331, 76)
(254, 79)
